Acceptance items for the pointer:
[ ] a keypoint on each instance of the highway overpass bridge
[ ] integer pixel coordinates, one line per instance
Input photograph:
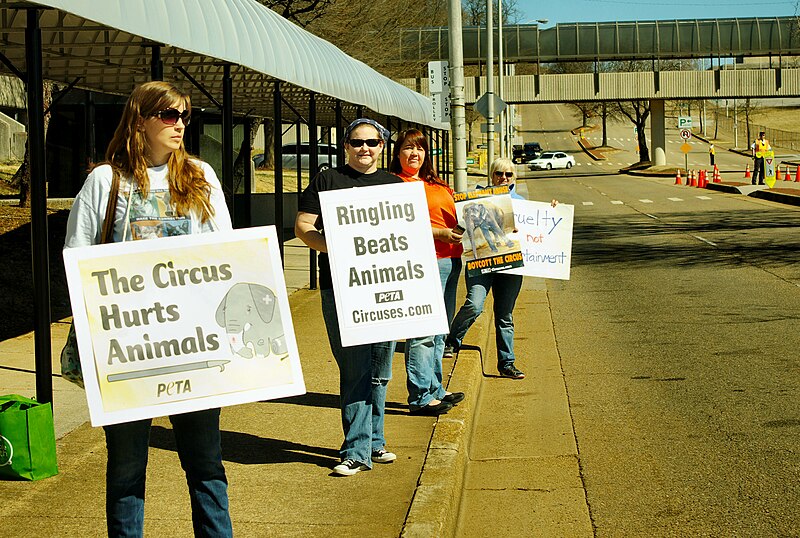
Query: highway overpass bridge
(719, 42)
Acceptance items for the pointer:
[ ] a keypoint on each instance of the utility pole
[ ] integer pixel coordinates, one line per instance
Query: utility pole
(489, 84)
(500, 71)
(458, 117)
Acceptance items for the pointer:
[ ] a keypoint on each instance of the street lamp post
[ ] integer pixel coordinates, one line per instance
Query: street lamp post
(489, 83)
(500, 94)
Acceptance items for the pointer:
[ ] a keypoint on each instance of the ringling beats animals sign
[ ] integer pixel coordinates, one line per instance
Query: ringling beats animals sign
(182, 324)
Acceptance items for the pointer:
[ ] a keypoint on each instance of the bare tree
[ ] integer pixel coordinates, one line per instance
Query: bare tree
(474, 12)
(300, 12)
(369, 31)
(637, 111)
(22, 177)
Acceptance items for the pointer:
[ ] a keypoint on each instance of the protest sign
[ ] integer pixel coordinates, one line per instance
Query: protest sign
(545, 236)
(182, 324)
(488, 221)
(383, 264)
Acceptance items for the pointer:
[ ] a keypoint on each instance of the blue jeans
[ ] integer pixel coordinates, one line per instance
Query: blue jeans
(364, 372)
(424, 355)
(198, 439)
(505, 288)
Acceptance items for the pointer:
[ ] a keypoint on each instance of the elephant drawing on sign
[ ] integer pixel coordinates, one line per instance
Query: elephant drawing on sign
(251, 317)
(488, 218)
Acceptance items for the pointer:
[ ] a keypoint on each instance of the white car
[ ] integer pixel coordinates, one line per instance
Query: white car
(552, 159)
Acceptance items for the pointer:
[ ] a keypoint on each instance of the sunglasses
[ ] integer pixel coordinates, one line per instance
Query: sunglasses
(170, 116)
(507, 174)
(358, 142)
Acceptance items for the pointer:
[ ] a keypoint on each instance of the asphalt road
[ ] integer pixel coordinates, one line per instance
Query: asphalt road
(678, 335)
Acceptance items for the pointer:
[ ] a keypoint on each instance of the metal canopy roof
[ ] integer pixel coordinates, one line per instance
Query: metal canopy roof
(634, 40)
(107, 46)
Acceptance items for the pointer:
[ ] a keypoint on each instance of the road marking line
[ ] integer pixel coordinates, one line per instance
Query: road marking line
(588, 203)
(676, 199)
(646, 201)
(705, 240)
(703, 197)
(652, 216)
(617, 202)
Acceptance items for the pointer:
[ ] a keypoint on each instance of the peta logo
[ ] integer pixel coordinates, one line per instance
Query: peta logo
(389, 296)
(6, 451)
(174, 387)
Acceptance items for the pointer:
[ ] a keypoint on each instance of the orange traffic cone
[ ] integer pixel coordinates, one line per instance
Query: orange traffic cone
(797, 175)
(678, 176)
(717, 176)
(747, 171)
(693, 179)
(701, 175)
(788, 176)
(705, 179)
(778, 173)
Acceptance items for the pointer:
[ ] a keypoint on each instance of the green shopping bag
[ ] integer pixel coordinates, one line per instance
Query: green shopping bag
(27, 439)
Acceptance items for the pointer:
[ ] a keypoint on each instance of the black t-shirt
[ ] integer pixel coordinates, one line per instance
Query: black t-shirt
(341, 177)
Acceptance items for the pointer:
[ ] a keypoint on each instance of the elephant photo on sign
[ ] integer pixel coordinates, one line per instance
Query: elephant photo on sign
(251, 318)
(489, 219)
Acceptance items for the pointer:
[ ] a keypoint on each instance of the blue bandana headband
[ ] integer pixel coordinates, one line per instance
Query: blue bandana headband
(385, 134)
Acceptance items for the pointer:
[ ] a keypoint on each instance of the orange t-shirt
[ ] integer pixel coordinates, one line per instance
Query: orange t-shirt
(442, 210)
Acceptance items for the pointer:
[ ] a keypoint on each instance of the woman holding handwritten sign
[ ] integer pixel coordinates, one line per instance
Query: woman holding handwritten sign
(152, 188)
(412, 162)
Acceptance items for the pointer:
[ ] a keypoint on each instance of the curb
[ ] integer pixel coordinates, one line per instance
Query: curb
(434, 510)
(757, 191)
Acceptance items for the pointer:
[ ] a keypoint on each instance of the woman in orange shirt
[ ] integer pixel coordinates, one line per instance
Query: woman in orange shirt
(412, 162)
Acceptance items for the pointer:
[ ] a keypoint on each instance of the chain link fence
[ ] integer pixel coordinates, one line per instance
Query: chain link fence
(777, 137)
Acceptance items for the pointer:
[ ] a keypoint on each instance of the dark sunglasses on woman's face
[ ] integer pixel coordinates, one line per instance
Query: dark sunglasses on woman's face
(358, 142)
(509, 175)
(170, 116)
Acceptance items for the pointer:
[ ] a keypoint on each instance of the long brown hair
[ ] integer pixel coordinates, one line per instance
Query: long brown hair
(415, 137)
(127, 152)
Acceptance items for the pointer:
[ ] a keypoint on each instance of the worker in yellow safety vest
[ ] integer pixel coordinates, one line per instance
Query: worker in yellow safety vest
(760, 148)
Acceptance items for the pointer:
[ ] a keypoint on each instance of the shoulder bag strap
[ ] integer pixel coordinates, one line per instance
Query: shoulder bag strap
(107, 235)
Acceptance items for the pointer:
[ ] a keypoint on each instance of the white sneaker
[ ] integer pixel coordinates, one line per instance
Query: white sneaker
(349, 467)
(383, 456)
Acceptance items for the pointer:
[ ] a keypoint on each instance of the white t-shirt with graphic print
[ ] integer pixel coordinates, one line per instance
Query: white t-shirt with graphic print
(148, 217)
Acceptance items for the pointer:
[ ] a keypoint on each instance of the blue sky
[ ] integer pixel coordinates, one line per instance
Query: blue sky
(630, 10)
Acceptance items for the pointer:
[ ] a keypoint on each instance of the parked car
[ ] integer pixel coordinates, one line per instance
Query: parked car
(526, 153)
(326, 159)
(552, 159)
(289, 160)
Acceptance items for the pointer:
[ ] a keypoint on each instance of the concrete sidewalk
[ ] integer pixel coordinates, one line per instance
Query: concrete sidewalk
(279, 454)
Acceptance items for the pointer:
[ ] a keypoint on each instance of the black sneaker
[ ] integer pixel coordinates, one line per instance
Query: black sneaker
(383, 456)
(349, 467)
(511, 371)
(448, 352)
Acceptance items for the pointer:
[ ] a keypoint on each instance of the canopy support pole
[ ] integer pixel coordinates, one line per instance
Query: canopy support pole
(313, 165)
(39, 243)
(227, 138)
(277, 122)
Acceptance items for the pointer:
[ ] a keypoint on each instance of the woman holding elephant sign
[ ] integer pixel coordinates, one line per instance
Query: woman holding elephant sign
(152, 188)
(504, 286)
